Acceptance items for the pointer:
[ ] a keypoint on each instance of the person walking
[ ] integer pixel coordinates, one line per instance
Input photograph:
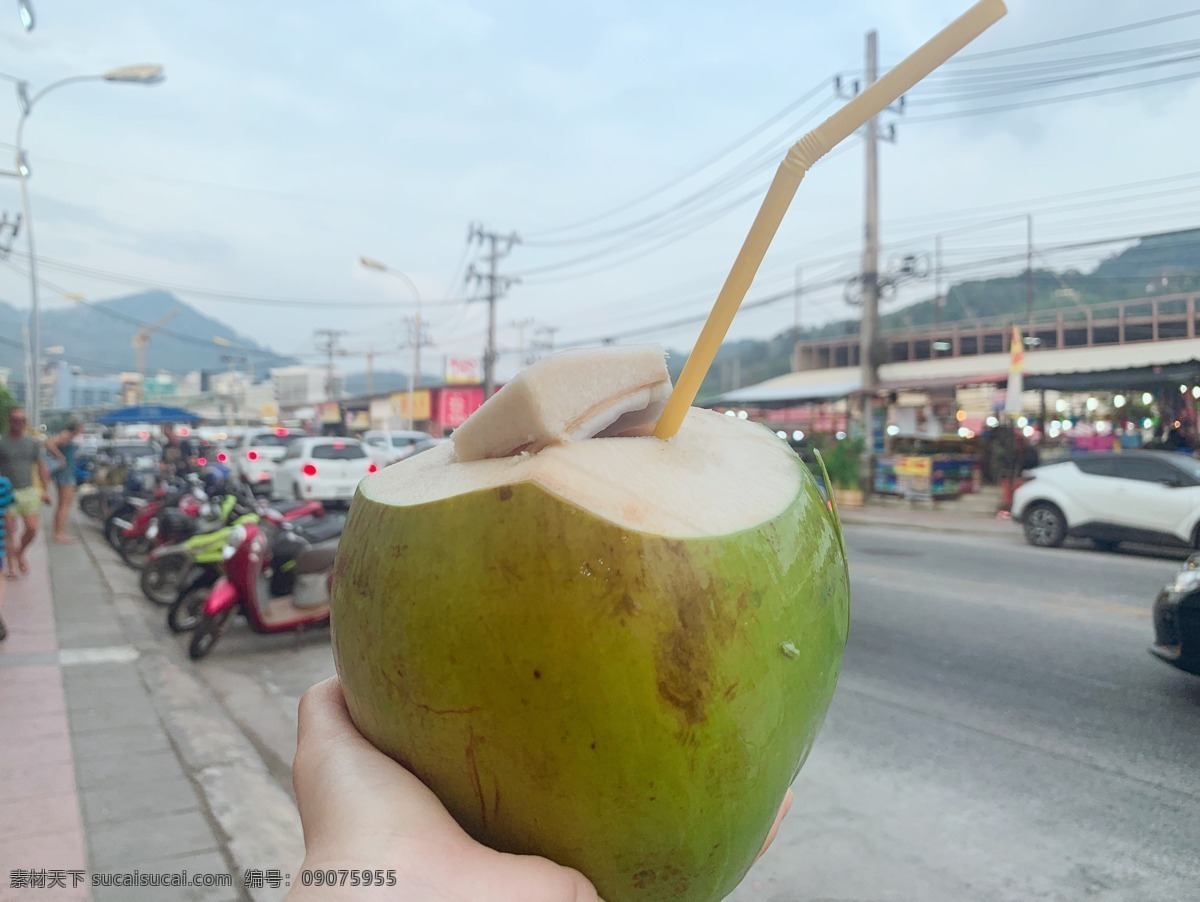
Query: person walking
(6, 499)
(64, 448)
(19, 454)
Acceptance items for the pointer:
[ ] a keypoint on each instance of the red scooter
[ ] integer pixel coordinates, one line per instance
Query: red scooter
(280, 580)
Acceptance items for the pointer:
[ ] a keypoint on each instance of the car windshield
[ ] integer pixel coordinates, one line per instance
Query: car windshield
(271, 440)
(402, 441)
(338, 451)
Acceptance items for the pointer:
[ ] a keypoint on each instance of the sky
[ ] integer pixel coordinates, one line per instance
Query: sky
(290, 139)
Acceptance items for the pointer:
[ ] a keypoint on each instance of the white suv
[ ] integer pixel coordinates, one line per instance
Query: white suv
(257, 453)
(386, 447)
(1148, 497)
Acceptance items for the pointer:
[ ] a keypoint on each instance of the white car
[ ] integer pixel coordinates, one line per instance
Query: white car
(387, 447)
(257, 453)
(1148, 497)
(322, 468)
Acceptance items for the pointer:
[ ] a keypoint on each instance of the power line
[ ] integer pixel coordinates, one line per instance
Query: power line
(1047, 100)
(695, 169)
(215, 294)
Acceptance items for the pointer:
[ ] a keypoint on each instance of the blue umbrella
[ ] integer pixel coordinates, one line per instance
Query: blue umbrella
(149, 413)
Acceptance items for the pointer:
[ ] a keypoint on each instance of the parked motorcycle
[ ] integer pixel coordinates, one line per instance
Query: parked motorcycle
(280, 583)
(202, 560)
(185, 543)
(135, 541)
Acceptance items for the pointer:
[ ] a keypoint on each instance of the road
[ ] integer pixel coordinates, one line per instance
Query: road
(998, 732)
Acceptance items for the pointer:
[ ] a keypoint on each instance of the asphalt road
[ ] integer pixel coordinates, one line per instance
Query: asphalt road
(999, 730)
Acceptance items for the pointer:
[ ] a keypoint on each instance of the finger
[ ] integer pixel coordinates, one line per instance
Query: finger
(784, 808)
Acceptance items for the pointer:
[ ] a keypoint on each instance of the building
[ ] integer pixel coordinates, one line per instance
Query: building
(66, 387)
(303, 386)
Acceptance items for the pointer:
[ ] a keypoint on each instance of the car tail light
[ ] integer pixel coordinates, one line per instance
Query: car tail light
(251, 455)
(222, 457)
(372, 468)
(309, 469)
(281, 431)
(201, 461)
(339, 445)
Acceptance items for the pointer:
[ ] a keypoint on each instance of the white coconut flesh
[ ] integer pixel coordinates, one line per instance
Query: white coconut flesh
(717, 476)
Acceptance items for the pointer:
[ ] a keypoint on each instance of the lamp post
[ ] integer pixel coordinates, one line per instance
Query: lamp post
(415, 366)
(139, 74)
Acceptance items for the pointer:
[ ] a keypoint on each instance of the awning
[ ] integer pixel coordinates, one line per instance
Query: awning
(148, 413)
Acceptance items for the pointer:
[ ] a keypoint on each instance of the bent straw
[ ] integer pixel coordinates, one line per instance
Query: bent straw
(803, 154)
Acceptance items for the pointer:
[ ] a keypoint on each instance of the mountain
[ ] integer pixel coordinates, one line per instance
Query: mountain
(1156, 264)
(98, 337)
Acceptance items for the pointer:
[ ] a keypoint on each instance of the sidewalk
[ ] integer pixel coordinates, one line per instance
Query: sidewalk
(942, 518)
(116, 759)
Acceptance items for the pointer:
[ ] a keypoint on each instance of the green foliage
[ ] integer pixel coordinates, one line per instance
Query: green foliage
(7, 403)
(841, 460)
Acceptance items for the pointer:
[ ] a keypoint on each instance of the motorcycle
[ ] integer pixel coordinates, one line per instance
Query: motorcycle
(183, 543)
(197, 563)
(135, 541)
(280, 583)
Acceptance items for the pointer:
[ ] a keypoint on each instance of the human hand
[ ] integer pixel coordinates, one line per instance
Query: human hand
(362, 810)
(46, 499)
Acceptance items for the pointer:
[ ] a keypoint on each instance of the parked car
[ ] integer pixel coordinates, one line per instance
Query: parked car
(1148, 497)
(322, 468)
(257, 453)
(1177, 619)
(386, 447)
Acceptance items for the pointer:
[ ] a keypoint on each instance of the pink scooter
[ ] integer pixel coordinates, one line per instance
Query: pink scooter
(280, 580)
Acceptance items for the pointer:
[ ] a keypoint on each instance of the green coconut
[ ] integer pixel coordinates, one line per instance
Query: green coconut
(613, 652)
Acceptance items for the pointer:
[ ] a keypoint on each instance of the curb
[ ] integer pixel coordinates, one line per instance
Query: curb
(258, 824)
(982, 527)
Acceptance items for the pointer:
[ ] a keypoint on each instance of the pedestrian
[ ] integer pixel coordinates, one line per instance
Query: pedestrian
(178, 455)
(63, 448)
(19, 455)
(6, 499)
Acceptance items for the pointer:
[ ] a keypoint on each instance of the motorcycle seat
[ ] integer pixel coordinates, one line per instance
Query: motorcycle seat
(317, 530)
(318, 558)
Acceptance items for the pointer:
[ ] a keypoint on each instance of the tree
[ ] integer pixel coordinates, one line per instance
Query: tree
(7, 403)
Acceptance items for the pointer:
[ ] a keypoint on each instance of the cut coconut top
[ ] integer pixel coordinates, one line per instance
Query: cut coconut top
(567, 397)
(719, 475)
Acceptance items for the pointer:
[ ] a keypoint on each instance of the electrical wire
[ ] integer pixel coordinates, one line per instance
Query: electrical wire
(695, 169)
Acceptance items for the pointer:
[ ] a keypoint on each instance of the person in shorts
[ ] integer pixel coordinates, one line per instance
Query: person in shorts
(6, 499)
(19, 455)
(64, 448)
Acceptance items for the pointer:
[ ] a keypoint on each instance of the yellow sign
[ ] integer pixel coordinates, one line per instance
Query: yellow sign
(268, 411)
(420, 405)
(914, 466)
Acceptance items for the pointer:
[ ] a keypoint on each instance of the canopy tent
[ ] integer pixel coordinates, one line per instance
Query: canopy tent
(148, 413)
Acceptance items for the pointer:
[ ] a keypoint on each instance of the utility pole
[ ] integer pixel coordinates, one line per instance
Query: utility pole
(869, 329)
(543, 345)
(937, 281)
(799, 273)
(499, 247)
(1028, 267)
(329, 347)
(370, 370)
(521, 325)
(416, 338)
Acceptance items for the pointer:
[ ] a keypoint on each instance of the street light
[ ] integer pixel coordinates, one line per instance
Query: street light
(25, 9)
(142, 74)
(415, 367)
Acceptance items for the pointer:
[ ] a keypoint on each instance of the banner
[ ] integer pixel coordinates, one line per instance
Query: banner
(462, 370)
(456, 404)
(331, 412)
(420, 405)
(1016, 374)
